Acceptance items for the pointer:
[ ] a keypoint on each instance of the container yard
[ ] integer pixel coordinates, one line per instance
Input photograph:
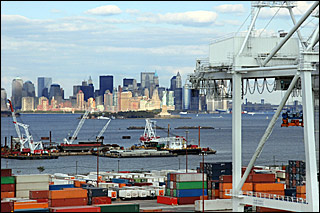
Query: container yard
(164, 190)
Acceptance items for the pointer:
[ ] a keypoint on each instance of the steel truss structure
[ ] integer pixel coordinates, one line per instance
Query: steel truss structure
(241, 64)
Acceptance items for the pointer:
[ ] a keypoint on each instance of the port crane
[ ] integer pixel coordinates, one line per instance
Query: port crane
(248, 56)
(26, 141)
(103, 129)
(74, 136)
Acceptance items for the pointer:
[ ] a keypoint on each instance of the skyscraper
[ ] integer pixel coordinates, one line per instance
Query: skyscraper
(149, 80)
(44, 82)
(28, 89)
(3, 100)
(106, 83)
(178, 81)
(87, 89)
(17, 85)
(55, 91)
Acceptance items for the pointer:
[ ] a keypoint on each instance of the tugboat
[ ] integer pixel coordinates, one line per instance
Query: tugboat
(176, 144)
(24, 147)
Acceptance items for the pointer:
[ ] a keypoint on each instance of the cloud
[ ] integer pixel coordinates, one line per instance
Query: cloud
(191, 18)
(55, 11)
(132, 11)
(14, 18)
(230, 8)
(105, 10)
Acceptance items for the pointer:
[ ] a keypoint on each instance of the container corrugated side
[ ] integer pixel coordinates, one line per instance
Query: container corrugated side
(8, 180)
(188, 177)
(35, 178)
(190, 185)
(123, 207)
(190, 192)
(75, 209)
(32, 186)
(22, 193)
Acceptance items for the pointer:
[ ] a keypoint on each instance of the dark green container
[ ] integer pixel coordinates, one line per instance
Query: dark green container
(124, 207)
(190, 185)
(167, 192)
(8, 180)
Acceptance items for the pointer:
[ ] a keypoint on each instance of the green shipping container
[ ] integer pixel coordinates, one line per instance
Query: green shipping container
(8, 180)
(124, 207)
(174, 193)
(167, 192)
(137, 180)
(190, 185)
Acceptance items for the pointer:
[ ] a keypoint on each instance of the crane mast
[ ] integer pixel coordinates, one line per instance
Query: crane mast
(103, 129)
(85, 116)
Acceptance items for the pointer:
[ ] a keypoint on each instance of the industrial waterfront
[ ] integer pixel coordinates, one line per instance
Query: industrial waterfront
(284, 143)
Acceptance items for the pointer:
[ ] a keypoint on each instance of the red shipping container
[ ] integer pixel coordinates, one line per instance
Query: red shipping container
(101, 200)
(8, 187)
(263, 178)
(42, 200)
(6, 206)
(41, 194)
(189, 200)
(76, 209)
(68, 202)
(167, 200)
(6, 172)
(265, 209)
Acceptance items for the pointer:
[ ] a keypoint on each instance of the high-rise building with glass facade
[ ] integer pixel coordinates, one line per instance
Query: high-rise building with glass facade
(28, 89)
(4, 106)
(44, 83)
(17, 85)
(106, 83)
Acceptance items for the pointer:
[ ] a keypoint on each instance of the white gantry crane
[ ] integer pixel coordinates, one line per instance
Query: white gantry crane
(26, 141)
(74, 136)
(103, 129)
(284, 58)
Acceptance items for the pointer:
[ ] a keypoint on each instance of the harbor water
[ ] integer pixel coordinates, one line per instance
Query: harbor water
(285, 143)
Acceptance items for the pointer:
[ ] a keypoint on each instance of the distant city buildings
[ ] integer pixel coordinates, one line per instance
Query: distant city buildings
(44, 84)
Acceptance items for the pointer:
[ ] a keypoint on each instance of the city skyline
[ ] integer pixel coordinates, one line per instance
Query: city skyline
(70, 41)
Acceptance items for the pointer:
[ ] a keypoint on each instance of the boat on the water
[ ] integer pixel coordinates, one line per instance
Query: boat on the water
(175, 144)
(102, 118)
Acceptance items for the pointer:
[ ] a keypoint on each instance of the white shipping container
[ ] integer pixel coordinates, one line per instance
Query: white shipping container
(32, 186)
(62, 181)
(22, 193)
(190, 177)
(34, 178)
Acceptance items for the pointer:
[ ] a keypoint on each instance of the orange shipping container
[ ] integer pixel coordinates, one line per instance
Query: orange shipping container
(280, 192)
(122, 185)
(62, 194)
(223, 196)
(301, 189)
(263, 187)
(264, 209)
(245, 187)
(301, 195)
(23, 205)
(7, 195)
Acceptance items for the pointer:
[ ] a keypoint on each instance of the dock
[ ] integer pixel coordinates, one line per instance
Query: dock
(137, 154)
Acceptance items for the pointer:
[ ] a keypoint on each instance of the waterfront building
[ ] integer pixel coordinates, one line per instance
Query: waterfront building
(155, 99)
(44, 83)
(17, 85)
(91, 104)
(80, 100)
(55, 91)
(106, 83)
(135, 103)
(43, 104)
(4, 106)
(28, 89)
(119, 99)
(170, 100)
(28, 103)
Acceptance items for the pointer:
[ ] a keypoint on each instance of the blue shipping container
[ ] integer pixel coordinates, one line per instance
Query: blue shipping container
(61, 186)
(190, 192)
(118, 180)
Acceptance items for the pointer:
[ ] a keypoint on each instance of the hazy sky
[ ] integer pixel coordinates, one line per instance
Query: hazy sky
(72, 40)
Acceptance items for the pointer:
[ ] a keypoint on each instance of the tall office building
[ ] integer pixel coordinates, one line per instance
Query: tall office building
(28, 103)
(149, 80)
(178, 81)
(4, 106)
(80, 100)
(55, 91)
(173, 83)
(44, 83)
(178, 98)
(28, 89)
(76, 89)
(106, 83)
(194, 104)
(87, 89)
(186, 93)
(17, 85)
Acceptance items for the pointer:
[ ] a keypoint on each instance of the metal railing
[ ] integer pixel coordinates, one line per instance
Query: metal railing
(268, 196)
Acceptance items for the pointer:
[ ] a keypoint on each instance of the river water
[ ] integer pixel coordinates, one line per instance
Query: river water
(285, 143)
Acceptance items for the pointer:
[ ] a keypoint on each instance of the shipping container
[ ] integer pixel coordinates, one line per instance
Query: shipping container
(7, 194)
(245, 187)
(6, 172)
(63, 194)
(33, 210)
(32, 186)
(75, 209)
(188, 177)
(7, 187)
(34, 178)
(167, 200)
(123, 207)
(96, 192)
(259, 187)
(190, 192)
(101, 200)
(39, 194)
(265, 209)
(301, 189)
(68, 202)
(190, 185)
(8, 180)
(262, 178)
(22, 193)
(189, 200)
(23, 205)
(60, 186)
(6, 206)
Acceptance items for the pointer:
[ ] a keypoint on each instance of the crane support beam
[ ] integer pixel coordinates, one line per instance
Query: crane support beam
(286, 38)
(298, 31)
(314, 39)
(267, 133)
(103, 129)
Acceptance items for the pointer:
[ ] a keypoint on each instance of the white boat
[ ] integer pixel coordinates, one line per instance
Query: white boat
(183, 113)
(104, 118)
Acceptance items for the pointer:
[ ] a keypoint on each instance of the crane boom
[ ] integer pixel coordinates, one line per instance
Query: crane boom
(103, 129)
(85, 116)
(15, 121)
